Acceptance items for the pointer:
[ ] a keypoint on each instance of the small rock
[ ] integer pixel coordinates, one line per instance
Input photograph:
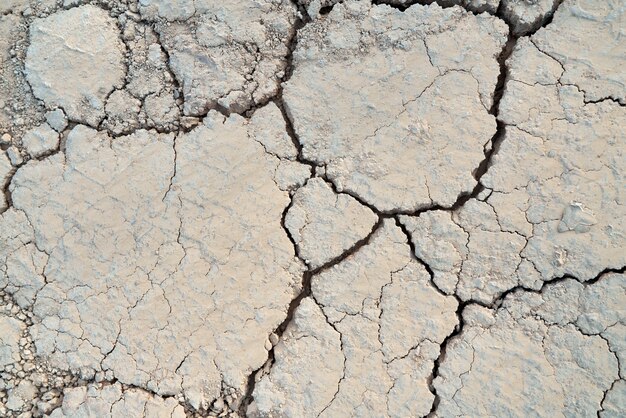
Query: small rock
(56, 119)
(21, 395)
(14, 155)
(576, 218)
(40, 140)
(189, 122)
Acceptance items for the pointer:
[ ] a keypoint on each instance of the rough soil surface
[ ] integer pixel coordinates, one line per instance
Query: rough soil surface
(312, 208)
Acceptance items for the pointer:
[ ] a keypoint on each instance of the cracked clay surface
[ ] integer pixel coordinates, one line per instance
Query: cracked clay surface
(312, 208)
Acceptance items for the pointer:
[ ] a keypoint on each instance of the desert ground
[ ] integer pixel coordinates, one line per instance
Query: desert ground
(313, 208)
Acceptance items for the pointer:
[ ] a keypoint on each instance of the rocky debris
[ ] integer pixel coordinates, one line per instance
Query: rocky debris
(170, 10)
(358, 64)
(28, 8)
(476, 6)
(585, 38)
(28, 385)
(151, 95)
(81, 44)
(323, 224)
(314, 8)
(19, 110)
(227, 55)
(541, 354)
(122, 113)
(161, 111)
(367, 344)
(148, 72)
(523, 16)
(20, 396)
(130, 87)
(111, 400)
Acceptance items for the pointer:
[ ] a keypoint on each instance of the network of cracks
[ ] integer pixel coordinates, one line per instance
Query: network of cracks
(274, 208)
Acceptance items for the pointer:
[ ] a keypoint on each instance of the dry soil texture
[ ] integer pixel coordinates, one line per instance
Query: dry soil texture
(312, 208)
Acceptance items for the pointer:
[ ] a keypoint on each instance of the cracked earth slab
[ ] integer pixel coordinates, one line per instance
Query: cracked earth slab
(355, 63)
(323, 224)
(277, 208)
(150, 286)
(91, 39)
(557, 351)
(361, 338)
(554, 198)
(229, 54)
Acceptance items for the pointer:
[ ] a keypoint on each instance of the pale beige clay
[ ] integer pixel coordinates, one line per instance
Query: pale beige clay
(81, 45)
(553, 353)
(312, 208)
(393, 119)
(323, 224)
(361, 338)
(139, 294)
(554, 202)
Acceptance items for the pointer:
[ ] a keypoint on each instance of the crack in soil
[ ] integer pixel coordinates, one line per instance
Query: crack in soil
(462, 199)
(295, 303)
(479, 172)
